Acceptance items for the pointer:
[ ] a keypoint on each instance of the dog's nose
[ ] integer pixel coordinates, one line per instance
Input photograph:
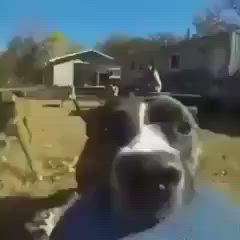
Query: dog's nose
(146, 181)
(147, 170)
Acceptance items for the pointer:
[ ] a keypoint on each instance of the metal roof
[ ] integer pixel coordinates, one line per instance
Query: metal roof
(79, 53)
(80, 61)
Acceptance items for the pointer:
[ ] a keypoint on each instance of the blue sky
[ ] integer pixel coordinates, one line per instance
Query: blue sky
(90, 21)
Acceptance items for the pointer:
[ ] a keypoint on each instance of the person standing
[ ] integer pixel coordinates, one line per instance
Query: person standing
(115, 90)
(153, 78)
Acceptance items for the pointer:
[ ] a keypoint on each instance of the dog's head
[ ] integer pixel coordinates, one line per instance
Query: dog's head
(155, 154)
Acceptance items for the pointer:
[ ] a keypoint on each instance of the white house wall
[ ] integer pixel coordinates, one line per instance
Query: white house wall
(218, 58)
(63, 74)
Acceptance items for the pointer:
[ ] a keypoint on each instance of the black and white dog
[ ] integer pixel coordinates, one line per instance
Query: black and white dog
(146, 151)
(143, 154)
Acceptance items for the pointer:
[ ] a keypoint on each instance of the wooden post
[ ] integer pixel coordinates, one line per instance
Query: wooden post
(98, 79)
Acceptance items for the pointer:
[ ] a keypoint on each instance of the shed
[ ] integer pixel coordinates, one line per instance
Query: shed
(89, 67)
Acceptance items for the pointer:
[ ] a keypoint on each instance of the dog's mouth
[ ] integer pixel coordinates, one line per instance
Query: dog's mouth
(148, 196)
(145, 195)
(145, 181)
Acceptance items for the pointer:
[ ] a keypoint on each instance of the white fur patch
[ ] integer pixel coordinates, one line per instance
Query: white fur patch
(49, 224)
(142, 113)
(179, 191)
(149, 140)
(46, 220)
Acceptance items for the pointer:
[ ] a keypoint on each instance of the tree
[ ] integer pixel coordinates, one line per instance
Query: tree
(76, 47)
(15, 45)
(116, 45)
(57, 44)
(222, 16)
(162, 37)
(25, 58)
(122, 46)
(8, 63)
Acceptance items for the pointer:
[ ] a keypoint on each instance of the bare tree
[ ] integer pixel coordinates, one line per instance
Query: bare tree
(221, 16)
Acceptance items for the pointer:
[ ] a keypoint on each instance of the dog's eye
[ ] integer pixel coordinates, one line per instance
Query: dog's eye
(184, 128)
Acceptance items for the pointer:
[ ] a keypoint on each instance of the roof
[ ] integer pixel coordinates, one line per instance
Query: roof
(80, 53)
(80, 61)
(199, 39)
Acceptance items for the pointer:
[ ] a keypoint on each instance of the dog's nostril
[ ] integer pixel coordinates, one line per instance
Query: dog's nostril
(138, 176)
(146, 169)
(170, 175)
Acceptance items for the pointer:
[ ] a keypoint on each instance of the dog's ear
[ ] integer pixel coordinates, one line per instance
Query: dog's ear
(111, 122)
(168, 109)
(94, 118)
(91, 115)
(87, 115)
(165, 108)
(96, 121)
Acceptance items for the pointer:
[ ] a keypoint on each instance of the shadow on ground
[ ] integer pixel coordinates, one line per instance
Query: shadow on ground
(51, 105)
(74, 113)
(16, 211)
(221, 123)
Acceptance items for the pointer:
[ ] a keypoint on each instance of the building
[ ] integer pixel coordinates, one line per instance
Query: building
(89, 67)
(200, 65)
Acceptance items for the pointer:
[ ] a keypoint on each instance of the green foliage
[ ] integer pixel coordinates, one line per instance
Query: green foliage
(121, 46)
(76, 47)
(25, 58)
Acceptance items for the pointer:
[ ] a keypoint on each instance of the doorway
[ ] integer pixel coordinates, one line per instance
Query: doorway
(103, 79)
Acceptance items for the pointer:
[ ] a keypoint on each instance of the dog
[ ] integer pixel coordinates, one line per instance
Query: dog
(145, 151)
(143, 154)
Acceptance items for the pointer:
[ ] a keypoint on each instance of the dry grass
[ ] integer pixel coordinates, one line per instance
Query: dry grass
(57, 136)
(220, 163)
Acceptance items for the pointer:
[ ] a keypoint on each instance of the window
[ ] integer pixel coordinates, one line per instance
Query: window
(110, 73)
(175, 62)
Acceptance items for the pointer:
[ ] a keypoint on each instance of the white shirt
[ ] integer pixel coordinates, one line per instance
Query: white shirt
(157, 78)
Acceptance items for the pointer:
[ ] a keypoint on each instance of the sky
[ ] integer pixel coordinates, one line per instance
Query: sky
(91, 21)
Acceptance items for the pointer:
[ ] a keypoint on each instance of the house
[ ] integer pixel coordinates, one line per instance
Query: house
(89, 67)
(200, 65)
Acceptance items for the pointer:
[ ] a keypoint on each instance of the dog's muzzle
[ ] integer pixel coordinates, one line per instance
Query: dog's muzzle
(146, 175)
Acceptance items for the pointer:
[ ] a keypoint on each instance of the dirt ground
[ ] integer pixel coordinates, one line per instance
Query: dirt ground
(58, 136)
(220, 163)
